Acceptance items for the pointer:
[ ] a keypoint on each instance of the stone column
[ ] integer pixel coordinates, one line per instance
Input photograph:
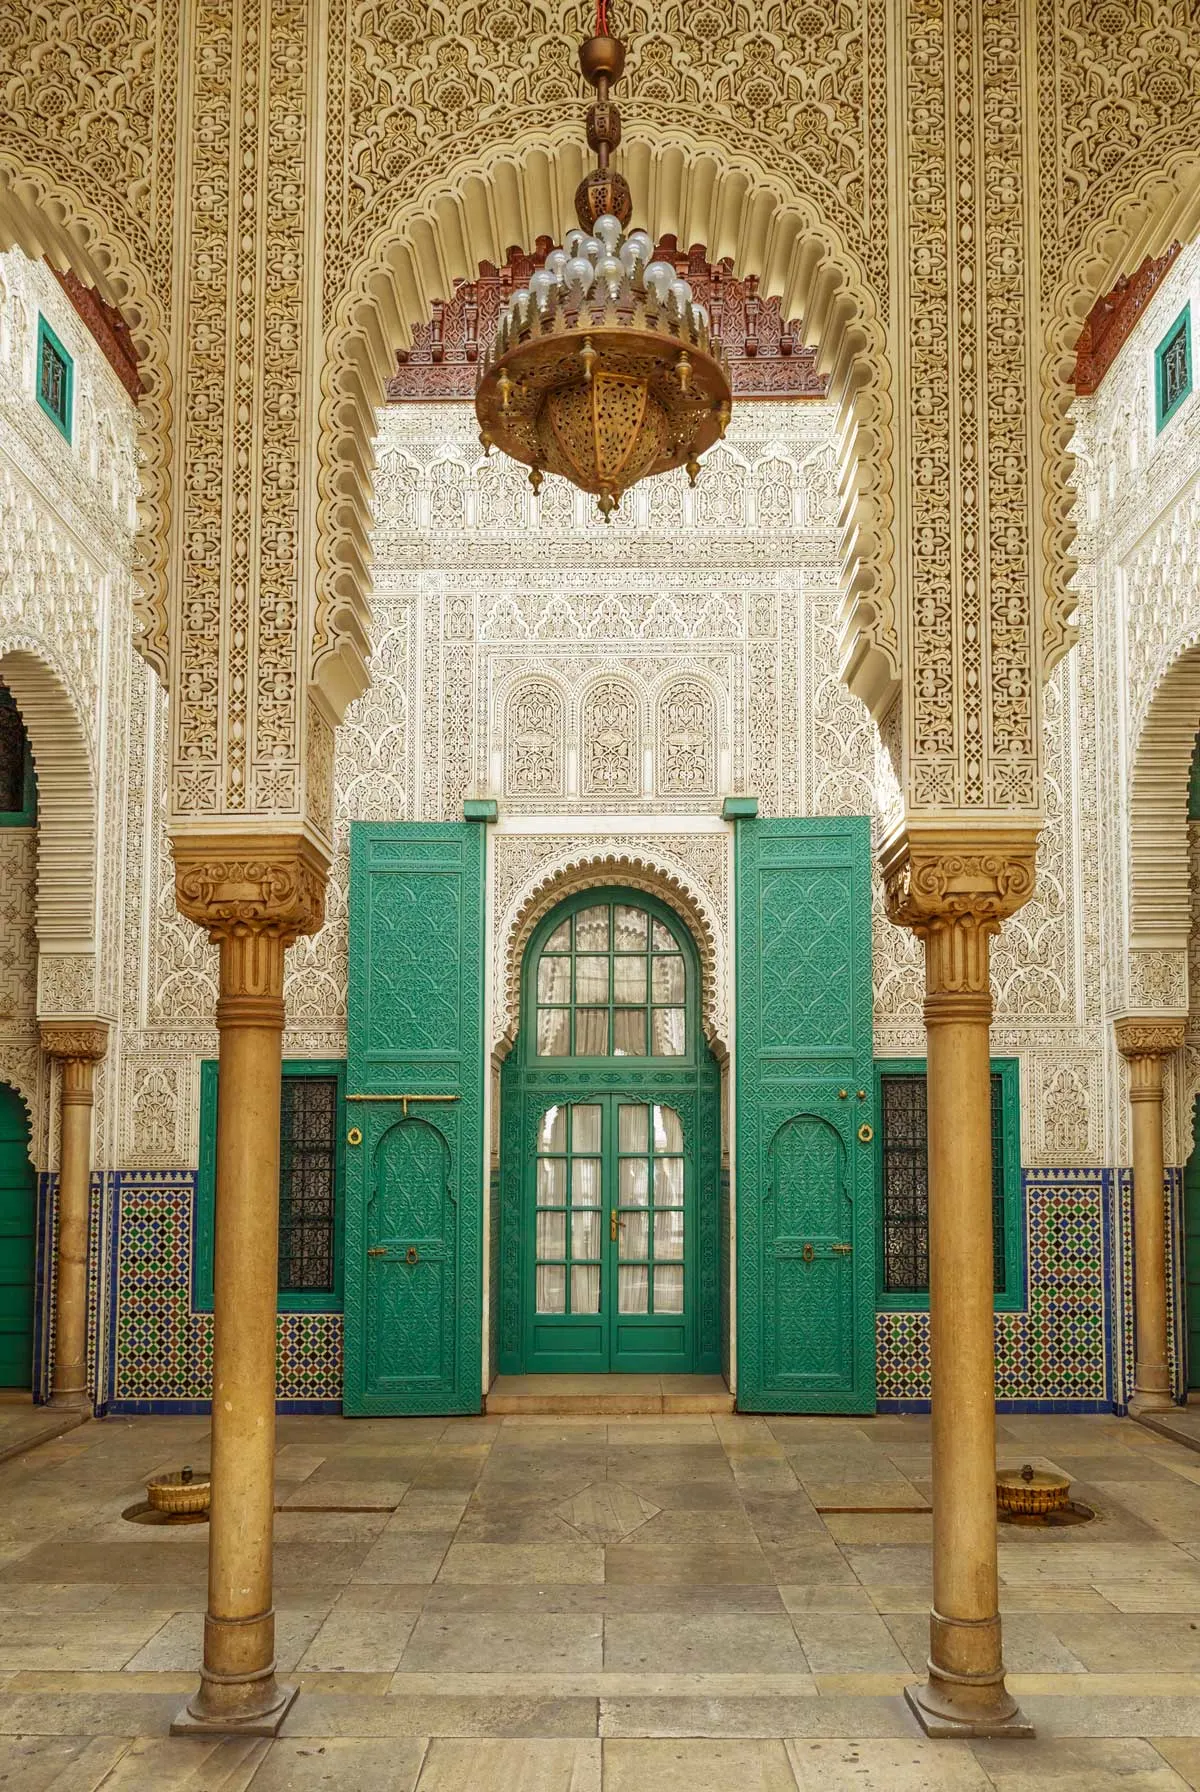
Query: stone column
(1144, 1043)
(77, 1046)
(954, 899)
(253, 906)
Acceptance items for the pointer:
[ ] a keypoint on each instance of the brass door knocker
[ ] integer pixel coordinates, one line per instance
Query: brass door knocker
(808, 1253)
(410, 1255)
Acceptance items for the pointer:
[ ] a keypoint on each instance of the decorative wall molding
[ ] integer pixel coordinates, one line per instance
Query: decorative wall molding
(1111, 320)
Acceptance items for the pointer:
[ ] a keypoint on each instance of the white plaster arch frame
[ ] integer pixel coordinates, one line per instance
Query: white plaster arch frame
(67, 820)
(682, 181)
(1159, 896)
(656, 875)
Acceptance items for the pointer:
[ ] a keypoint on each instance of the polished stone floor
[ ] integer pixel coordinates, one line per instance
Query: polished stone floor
(707, 1603)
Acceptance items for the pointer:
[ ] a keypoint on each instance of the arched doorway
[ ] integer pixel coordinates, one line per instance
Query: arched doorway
(18, 1204)
(610, 1244)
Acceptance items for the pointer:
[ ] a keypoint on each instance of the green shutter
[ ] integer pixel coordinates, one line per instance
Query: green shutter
(804, 1177)
(18, 1200)
(415, 1181)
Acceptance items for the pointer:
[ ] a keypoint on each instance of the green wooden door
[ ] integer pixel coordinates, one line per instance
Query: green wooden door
(804, 1126)
(415, 1163)
(18, 1196)
(609, 1256)
(1191, 1247)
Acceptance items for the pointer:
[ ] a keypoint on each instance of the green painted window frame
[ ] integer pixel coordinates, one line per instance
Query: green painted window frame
(1013, 1297)
(26, 815)
(206, 1184)
(1163, 412)
(63, 424)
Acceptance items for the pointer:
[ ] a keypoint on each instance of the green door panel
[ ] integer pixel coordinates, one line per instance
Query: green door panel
(1191, 1231)
(18, 1199)
(804, 1176)
(415, 1067)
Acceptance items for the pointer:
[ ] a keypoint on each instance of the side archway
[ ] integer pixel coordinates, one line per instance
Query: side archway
(67, 834)
(54, 222)
(1159, 894)
(682, 185)
(1157, 204)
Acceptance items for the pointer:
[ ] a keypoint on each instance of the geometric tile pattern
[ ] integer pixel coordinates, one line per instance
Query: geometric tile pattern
(1056, 1351)
(160, 1347)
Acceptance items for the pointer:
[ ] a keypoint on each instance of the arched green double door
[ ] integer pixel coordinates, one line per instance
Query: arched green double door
(610, 1250)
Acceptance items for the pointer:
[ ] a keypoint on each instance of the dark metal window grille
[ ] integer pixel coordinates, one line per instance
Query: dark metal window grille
(1173, 372)
(12, 756)
(904, 1150)
(54, 380)
(307, 1184)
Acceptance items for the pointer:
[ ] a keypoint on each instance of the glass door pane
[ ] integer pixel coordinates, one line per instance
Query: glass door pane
(650, 1209)
(568, 1213)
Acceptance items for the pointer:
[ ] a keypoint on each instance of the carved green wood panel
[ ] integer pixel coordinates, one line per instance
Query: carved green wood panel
(804, 1176)
(415, 1177)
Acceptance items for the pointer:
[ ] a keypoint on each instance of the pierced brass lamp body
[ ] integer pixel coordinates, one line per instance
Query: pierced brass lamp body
(603, 399)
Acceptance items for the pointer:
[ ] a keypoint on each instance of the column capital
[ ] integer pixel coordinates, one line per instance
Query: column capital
(251, 883)
(74, 1039)
(953, 885)
(1148, 1035)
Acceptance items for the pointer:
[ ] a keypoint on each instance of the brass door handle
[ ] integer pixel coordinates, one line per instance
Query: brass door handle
(410, 1255)
(843, 1250)
(377, 1250)
(808, 1253)
(866, 1133)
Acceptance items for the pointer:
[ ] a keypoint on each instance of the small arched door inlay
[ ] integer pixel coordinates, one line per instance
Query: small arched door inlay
(411, 1257)
(808, 1229)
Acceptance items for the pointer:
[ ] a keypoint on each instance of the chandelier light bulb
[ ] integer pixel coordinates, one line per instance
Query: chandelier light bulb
(659, 278)
(607, 230)
(580, 272)
(573, 242)
(541, 284)
(556, 261)
(681, 295)
(610, 270)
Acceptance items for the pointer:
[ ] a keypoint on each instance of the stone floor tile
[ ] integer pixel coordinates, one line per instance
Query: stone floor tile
(821, 1765)
(837, 1642)
(179, 1643)
(330, 1527)
(887, 1564)
(357, 1495)
(335, 1715)
(669, 1642)
(606, 1512)
(495, 1564)
(1131, 1641)
(1076, 1764)
(74, 1713)
(534, 1766)
(836, 1596)
(761, 1717)
(1178, 1594)
(524, 1642)
(403, 1557)
(337, 1764)
(355, 1640)
(637, 1765)
(93, 1640)
(58, 1763)
(894, 1528)
(1183, 1754)
(187, 1764)
(1112, 1714)
(695, 1563)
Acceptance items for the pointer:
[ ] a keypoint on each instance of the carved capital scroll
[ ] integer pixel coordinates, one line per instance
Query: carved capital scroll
(1145, 1040)
(237, 884)
(74, 1039)
(953, 888)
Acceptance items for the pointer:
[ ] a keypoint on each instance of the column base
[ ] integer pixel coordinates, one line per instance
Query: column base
(1149, 1400)
(223, 1710)
(943, 1709)
(72, 1400)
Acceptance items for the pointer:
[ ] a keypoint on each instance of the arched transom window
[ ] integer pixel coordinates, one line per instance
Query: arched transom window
(611, 982)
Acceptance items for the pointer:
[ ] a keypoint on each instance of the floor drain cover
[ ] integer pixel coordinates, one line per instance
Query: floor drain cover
(145, 1513)
(1074, 1512)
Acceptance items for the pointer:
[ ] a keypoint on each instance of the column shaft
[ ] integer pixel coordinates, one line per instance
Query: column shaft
(1145, 1043)
(71, 1268)
(238, 1689)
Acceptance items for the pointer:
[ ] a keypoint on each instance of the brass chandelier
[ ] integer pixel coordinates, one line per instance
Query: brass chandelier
(603, 369)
